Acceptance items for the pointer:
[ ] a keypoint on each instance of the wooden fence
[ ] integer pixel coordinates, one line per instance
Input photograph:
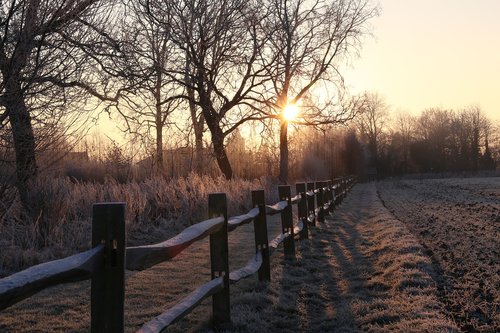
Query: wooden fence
(106, 262)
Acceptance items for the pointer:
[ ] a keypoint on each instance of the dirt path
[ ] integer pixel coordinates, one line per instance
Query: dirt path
(361, 270)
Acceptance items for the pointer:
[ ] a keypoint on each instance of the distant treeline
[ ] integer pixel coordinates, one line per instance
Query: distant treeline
(372, 145)
(438, 140)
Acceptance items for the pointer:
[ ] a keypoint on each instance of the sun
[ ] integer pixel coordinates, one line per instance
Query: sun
(290, 112)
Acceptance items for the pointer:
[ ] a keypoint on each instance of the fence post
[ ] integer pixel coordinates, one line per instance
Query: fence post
(341, 190)
(302, 209)
(260, 229)
(287, 220)
(325, 198)
(319, 202)
(108, 283)
(338, 194)
(219, 259)
(330, 196)
(310, 204)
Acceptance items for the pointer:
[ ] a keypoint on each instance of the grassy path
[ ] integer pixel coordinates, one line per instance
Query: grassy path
(361, 270)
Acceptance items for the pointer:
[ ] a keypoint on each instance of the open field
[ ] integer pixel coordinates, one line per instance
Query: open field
(361, 270)
(458, 223)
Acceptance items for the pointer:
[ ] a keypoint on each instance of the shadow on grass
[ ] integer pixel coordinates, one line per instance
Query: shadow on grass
(317, 287)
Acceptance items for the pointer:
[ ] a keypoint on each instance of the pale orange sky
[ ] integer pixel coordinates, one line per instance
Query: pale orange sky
(428, 53)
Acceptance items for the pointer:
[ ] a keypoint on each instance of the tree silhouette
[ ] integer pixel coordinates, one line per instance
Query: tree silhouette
(308, 40)
(48, 52)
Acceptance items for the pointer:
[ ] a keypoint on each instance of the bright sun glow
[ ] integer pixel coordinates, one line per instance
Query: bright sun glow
(290, 112)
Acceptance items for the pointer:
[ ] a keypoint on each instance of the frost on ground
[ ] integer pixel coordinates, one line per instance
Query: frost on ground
(361, 270)
(458, 222)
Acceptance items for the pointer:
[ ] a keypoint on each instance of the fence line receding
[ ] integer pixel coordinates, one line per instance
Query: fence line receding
(106, 262)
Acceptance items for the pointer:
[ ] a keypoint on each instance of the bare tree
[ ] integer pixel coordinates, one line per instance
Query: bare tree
(352, 153)
(479, 125)
(197, 117)
(308, 40)
(404, 127)
(493, 143)
(221, 43)
(372, 122)
(148, 107)
(469, 131)
(433, 129)
(47, 51)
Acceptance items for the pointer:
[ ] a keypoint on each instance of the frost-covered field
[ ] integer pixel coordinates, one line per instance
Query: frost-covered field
(430, 266)
(362, 270)
(458, 222)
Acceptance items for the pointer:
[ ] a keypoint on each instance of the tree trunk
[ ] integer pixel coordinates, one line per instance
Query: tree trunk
(219, 149)
(159, 122)
(475, 149)
(198, 125)
(198, 157)
(159, 167)
(222, 159)
(283, 177)
(24, 142)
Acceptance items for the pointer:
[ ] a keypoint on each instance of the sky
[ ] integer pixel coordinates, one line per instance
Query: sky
(432, 53)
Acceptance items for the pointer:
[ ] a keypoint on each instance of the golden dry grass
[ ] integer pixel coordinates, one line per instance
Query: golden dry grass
(60, 222)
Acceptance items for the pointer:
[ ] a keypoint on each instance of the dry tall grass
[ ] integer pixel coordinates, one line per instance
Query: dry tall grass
(59, 222)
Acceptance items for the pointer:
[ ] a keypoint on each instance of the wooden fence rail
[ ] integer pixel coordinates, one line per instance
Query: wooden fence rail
(106, 262)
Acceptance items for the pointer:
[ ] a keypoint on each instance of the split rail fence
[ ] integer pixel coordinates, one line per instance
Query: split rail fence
(106, 262)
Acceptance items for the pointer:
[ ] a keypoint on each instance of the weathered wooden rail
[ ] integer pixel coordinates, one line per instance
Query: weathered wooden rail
(106, 262)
